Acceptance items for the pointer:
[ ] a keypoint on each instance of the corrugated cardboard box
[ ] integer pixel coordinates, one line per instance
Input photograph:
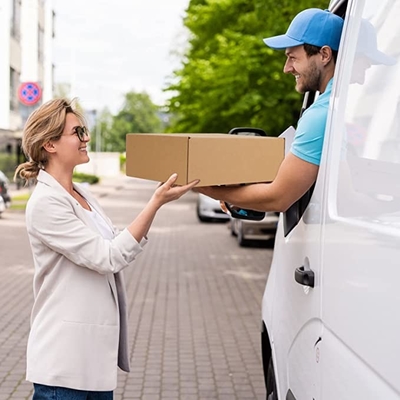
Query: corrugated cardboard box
(215, 159)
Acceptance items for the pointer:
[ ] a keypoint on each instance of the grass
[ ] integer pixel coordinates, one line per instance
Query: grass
(19, 201)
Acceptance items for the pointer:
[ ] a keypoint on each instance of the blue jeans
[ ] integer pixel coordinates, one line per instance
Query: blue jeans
(43, 392)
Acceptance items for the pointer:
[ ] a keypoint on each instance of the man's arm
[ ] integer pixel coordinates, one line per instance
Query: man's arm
(294, 178)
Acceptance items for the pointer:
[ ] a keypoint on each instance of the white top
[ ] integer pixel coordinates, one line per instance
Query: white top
(100, 223)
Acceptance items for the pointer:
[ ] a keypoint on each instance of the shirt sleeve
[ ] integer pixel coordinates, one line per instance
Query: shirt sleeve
(309, 137)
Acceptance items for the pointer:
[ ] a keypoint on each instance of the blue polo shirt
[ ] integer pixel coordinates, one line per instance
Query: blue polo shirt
(309, 137)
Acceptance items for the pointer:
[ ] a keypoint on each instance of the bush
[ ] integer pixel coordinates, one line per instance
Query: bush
(122, 161)
(8, 164)
(82, 177)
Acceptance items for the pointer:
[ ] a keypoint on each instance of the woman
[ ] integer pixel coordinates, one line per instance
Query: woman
(79, 323)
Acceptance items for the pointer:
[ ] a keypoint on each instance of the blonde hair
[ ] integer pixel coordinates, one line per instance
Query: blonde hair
(45, 124)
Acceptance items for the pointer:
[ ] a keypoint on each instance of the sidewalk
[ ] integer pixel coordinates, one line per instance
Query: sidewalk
(194, 300)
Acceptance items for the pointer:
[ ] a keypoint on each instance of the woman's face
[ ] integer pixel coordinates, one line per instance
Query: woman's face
(69, 149)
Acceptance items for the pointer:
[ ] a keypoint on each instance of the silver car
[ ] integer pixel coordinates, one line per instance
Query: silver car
(2, 206)
(246, 230)
(208, 209)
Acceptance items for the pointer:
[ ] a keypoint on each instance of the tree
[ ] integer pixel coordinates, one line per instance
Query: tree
(229, 77)
(138, 115)
(100, 129)
(62, 90)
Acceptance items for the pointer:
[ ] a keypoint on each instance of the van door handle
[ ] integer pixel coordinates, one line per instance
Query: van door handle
(304, 277)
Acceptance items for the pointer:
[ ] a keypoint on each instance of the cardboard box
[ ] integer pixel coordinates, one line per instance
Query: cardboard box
(215, 159)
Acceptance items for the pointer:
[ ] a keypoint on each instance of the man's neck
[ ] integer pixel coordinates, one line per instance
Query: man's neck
(324, 82)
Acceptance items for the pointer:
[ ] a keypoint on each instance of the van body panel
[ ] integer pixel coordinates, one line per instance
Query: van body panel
(361, 239)
(347, 377)
(294, 309)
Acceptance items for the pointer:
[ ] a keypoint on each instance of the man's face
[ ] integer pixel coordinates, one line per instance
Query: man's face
(304, 68)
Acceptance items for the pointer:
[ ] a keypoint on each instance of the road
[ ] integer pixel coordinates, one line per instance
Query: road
(194, 304)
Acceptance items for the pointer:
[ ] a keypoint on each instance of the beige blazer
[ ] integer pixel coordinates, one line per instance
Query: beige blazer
(79, 319)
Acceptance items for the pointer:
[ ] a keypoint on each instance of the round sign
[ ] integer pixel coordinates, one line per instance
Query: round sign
(29, 93)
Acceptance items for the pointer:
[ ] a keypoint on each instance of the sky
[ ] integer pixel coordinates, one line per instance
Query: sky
(106, 48)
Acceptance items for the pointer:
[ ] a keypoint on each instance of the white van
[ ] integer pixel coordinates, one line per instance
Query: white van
(331, 308)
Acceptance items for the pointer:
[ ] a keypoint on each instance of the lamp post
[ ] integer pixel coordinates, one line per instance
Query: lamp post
(98, 133)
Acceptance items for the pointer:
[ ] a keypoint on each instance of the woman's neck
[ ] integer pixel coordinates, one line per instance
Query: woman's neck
(62, 176)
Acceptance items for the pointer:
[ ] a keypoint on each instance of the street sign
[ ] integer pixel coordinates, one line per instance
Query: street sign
(29, 93)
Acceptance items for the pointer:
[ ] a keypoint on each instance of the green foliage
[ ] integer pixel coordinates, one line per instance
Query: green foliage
(122, 162)
(82, 177)
(8, 164)
(138, 115)
(102, 127)
(229, 76)
(18, 202)
(62, 90)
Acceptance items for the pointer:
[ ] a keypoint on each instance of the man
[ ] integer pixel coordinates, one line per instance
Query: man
(311, 43)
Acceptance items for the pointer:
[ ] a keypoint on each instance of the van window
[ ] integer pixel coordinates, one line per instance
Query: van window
(368, 180)
(292, 215)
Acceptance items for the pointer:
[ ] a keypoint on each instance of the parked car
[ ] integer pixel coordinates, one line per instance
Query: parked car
(2, 206)
(247, 230)
(209, 209)
(4, 189)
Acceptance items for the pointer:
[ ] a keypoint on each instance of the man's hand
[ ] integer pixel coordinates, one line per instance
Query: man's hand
(294, 178)
(223, 207)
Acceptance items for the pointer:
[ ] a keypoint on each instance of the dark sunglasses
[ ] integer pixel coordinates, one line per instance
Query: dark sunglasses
(81, 132)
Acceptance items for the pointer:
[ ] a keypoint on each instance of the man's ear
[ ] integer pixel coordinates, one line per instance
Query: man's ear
(49, 147)
(326, 54)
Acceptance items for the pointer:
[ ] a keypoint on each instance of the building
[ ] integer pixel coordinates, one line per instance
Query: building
(26, 34)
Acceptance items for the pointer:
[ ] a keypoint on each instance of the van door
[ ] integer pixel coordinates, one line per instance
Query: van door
(360, 345)
(291, 307)
(292, 300)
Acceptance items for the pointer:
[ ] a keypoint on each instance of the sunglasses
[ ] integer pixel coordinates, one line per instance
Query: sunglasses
(81, 132)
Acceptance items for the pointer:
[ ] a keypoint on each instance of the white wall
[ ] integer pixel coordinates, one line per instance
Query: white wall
(48, 52)
(5, 12)
(29, 40)
(101, 164)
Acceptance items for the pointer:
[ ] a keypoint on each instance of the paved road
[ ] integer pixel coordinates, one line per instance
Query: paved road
(194, 304)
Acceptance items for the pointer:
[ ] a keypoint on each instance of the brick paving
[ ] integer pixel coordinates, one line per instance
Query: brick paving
(194, 304)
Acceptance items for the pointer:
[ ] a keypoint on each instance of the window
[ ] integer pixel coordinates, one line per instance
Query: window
(368, 183)
(295, 212)
(40, 44)
(14, 82)
(16, 19)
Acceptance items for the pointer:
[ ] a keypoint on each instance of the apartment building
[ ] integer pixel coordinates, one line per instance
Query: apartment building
(26, 69)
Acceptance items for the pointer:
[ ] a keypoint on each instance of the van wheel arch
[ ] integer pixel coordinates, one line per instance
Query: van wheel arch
(268, 365)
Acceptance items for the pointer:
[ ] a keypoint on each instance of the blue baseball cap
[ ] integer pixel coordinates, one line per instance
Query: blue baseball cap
(312, 26)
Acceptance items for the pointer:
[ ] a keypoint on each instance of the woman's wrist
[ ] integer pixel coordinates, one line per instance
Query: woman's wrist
(154, 204)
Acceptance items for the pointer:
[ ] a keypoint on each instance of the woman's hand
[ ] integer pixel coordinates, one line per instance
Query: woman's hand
(168, 191)
(165, 193)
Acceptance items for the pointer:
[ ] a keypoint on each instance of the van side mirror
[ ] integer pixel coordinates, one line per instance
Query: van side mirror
(237, 212)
